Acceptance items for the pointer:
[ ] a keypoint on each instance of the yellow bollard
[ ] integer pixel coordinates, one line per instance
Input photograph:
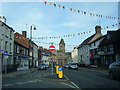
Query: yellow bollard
(57, 69)
(60, 72)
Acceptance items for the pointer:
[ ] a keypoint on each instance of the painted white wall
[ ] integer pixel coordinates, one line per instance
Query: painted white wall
(5, 36)
(35, 53)
(75, 55)
(84, 52)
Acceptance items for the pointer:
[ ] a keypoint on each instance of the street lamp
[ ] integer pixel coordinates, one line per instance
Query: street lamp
(32, 27)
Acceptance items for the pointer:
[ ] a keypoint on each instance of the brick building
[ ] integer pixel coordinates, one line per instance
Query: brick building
(21, 51)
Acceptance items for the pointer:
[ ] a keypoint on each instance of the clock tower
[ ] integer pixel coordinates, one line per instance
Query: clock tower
(62, 46)
(61, 60)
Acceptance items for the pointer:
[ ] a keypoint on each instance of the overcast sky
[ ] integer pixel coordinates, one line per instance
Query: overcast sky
(53, 21)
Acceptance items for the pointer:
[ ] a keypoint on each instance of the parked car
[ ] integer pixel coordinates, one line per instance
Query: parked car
(55, 65)
(66, 65)
(42, 67)
(47, 65)
(73, 66)
(93, 66)
(114, 70)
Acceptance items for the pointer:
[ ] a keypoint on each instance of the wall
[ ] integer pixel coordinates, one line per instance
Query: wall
(7, 34)
(75, 55)
(83, 55)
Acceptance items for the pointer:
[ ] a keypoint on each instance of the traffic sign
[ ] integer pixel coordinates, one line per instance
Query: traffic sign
(30, 58)
(52, 48)
(6, 53)
(60, 68)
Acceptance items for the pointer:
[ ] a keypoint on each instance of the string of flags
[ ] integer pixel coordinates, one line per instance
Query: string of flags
(69, 35)
(111, 25)
(54, 44)
(79, 11)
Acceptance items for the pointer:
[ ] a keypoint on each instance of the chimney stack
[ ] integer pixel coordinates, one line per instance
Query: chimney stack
(98, 29)
(24, 33)
(3, 19)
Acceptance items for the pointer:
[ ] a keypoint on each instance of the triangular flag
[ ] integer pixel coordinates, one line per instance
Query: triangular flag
(50, 3)
(63, 7)
(45, 2)
(84, 12)
(70, 9)
(58, 5)
(74, 10)
(55, 5)
(90, 14)
(81, 11)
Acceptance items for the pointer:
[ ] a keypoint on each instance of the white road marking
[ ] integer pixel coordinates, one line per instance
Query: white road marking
(75, 85)
(72, 82)
(66, 77)
(67, 84)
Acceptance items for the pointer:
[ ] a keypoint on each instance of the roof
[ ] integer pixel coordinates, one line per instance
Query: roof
(112, 38)
(85, 42)
(98, 39)
(7, 26)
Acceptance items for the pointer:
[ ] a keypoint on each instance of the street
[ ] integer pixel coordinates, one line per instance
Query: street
(81, 78)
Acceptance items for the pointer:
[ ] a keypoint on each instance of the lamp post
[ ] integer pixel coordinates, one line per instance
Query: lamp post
(32, 27)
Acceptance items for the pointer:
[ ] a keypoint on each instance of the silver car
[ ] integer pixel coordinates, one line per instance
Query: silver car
(42, 67)
(114, 70)
(73, 66)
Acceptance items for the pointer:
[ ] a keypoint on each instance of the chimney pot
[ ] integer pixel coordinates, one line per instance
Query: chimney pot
(24, 33)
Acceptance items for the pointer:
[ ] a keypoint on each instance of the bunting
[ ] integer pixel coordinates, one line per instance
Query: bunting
(82, 12)
(54, 44)
(69, 35)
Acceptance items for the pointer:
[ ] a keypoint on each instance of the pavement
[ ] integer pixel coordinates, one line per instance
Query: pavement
(21, 72)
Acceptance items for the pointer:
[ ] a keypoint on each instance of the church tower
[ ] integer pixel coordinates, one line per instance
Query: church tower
(61, 53)
(62, 46)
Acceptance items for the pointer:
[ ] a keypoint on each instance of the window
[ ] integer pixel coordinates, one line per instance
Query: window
(17, 49)
(10, 47)
(5, 45)
(10, 34)
(94, 43)
(90, 45)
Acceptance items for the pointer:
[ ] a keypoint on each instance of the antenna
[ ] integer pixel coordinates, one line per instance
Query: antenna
(26, 27)
(99, 22)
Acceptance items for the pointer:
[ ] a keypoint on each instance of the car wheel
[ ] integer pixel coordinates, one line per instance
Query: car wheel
(111, 76)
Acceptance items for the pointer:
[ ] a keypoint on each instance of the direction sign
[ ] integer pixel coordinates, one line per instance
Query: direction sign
(52, 48)
(60, 68)
(6, 53)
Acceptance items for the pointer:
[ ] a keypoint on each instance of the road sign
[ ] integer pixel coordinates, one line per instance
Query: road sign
(52, 48)
(30, 58)
(6, 53)
(60, 68)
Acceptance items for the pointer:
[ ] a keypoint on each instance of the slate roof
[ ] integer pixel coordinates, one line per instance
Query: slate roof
(85, 42)
(97, 39)
(111, 40)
